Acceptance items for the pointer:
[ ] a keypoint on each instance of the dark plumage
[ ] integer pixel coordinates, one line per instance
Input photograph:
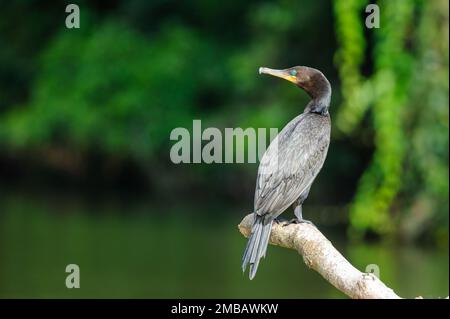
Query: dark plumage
(291, 162)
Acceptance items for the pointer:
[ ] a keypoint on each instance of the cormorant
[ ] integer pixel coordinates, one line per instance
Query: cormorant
(291, 162)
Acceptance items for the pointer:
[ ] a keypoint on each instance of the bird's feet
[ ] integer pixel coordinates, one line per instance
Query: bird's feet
(280, 220)
(298, 221)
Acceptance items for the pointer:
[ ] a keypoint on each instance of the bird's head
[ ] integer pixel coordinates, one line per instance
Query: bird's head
(309, 79)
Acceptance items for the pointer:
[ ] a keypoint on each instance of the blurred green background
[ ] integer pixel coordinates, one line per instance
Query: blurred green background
(85, 120)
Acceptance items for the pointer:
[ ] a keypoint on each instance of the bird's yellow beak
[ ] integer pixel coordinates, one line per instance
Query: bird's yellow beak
(283, 74)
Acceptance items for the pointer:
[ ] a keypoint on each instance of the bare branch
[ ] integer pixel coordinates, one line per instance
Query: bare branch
(320, 255)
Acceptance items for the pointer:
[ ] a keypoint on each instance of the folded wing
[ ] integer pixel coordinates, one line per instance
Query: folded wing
(291, 163)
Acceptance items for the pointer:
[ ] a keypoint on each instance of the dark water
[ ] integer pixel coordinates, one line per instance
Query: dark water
(136, 250)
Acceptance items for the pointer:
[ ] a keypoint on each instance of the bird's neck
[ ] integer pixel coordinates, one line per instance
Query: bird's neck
(321, 97)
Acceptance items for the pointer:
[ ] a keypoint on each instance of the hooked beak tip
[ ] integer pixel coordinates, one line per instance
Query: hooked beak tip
(263, 70)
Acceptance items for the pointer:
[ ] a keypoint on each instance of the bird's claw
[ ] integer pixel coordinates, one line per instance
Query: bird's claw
(280, 221)
(298, 221)
(368, 275)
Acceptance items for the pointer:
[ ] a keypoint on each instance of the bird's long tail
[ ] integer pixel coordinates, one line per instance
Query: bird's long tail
(256, 244)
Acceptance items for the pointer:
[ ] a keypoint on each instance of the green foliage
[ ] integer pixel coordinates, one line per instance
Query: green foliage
(349, 58)
(408, 101)
(109, 89)
(138, 69)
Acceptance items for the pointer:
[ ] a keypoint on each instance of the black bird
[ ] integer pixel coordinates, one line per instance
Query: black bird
(291, 162)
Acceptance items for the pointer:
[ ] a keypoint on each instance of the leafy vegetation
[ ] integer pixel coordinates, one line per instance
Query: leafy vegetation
(407, 97)
(137, 69)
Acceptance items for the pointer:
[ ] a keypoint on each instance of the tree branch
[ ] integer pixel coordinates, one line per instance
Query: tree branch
(320, 255)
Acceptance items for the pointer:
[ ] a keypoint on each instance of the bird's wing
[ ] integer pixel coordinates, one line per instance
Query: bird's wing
(290, 164)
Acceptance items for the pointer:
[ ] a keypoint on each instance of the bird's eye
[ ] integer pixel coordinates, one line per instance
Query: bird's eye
(293, 72)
